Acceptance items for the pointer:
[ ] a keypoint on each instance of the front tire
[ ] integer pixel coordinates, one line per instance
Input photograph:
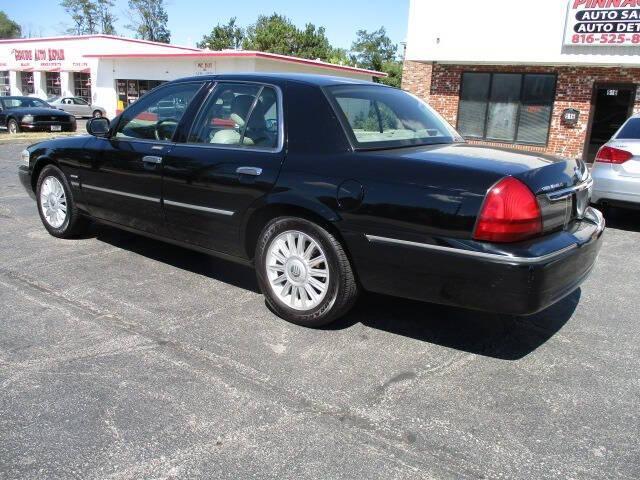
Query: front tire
(13, 127)
(304, 272)
(56, 205)
(97, 114)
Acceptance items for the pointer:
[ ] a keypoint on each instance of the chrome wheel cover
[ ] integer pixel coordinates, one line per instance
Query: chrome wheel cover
(13, 127)
(53, 202)
(297, 270)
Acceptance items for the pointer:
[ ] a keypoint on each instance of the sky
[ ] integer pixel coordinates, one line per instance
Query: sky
(189, 20)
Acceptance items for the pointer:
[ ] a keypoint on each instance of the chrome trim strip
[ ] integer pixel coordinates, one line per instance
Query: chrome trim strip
(75, 184)
(565, 192)
(199, 207)
(118, 192)
(487, 256)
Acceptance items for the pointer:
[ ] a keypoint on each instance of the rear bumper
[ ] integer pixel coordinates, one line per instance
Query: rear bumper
(612, 188)
(505, 283)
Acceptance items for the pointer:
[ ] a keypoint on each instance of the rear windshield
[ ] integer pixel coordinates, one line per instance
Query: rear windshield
(630, 130)
(383, 117)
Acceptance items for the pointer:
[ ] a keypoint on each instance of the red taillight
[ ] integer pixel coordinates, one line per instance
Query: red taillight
(612, 155)
(510, 213)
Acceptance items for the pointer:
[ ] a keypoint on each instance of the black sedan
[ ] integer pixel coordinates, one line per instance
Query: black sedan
(32, 114)
(328, 186)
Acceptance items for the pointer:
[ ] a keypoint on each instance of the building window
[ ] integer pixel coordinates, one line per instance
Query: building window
(129, 91)
(5, 88)
(82, 86)
(26, 83)
(53, 84)
(506, 107)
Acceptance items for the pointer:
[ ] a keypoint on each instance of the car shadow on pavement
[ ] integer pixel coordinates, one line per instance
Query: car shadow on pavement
(622, 219)
(200, 263)
(499, 336)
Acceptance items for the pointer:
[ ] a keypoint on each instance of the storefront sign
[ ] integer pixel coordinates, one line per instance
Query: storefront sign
(39, 54)
(604, 23)
(205, 68)
(570, 116)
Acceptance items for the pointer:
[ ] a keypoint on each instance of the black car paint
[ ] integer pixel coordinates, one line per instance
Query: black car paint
(430, 195)
(48, 117)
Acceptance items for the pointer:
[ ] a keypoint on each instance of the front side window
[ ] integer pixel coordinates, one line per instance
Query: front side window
(79, 101)
(506, 107)
(382, 117)
(238, 115)
(156, 116)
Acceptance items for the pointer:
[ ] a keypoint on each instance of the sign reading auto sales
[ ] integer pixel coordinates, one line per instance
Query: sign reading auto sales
(604, 23)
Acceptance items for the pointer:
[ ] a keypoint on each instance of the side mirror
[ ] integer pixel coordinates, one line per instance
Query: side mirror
(98, 127)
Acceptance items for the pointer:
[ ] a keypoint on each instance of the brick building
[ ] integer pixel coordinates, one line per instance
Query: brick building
(551, 76)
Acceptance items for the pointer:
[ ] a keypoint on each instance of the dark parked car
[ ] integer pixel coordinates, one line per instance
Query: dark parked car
(32, 114)
(328, 186)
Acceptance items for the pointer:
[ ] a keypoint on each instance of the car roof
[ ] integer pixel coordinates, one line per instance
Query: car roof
(21, 97)
(281, 78)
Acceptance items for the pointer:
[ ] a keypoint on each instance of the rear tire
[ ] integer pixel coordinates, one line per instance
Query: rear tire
(56, 205)
(304, 272)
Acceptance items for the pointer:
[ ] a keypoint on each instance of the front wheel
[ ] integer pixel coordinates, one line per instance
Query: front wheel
(13, 127)
(56, 205)
(304, 272)
(97, 114)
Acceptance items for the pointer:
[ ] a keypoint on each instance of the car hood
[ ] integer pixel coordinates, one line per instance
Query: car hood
(539, 171)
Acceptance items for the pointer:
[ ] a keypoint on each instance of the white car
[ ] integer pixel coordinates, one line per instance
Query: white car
(77, 106)
(616, 171)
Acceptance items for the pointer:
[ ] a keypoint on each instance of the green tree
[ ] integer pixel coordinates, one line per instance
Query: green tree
(149, 20)
(9, 28)
(90, 16)
(83, 15)
(313, 43)
(106, 19)
(375, 51)
(277, 34)
(340, 56)
(224, 37)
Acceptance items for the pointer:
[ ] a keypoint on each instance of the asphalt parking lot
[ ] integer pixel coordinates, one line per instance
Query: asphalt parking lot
(123, 357)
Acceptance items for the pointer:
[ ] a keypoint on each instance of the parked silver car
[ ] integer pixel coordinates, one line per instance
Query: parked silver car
(616, 171)
(77, 106)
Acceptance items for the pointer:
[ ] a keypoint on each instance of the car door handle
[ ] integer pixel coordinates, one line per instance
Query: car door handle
(255, 171)
(151, 159)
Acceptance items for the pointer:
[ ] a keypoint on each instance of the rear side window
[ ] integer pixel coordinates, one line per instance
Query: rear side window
(630, 130)
(237, 114)
(382, 117)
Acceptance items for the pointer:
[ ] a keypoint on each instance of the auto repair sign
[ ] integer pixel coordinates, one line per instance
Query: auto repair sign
(606, 23)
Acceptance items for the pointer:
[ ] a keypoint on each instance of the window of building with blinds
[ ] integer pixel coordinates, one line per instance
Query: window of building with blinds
(506, 107)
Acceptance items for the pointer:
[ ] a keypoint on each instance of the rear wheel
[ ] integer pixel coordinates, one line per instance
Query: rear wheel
(56, 206)
(304, 272)
(12, 126)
